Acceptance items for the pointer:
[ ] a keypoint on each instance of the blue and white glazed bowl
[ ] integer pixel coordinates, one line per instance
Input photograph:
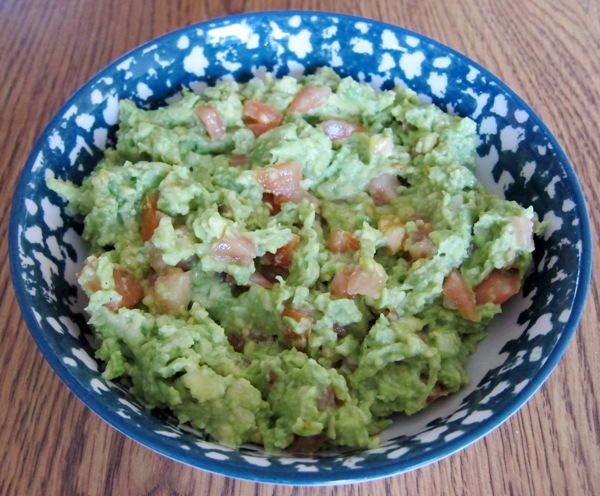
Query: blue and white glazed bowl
(518, 158)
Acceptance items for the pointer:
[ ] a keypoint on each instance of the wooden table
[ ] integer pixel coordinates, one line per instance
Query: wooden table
(546, 50)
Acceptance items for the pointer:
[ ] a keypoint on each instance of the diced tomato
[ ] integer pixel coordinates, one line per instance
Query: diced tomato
(150, 217)
(341, 241)
(130, 290)
(239, 250)
(172, 292)
(260, 117)
(210, 117)
(339, 283)
(155, 257)
(93, 284)
(338, 129)
(498, 286)
(283, 256)
(295, 313)
(257, 279)
(353, 280)
(384, 188)
(128, 287)
(283, 182)
(458, 295)
(259, 128)
(366, 282)
(298, 341)
(419, 245)
(88, 277)
(257, 111)
(309, 98)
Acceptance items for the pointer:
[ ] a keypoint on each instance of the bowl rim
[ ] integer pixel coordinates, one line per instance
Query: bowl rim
(253, 473)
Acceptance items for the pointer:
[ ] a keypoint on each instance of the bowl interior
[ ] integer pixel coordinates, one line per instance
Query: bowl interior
(518, 159)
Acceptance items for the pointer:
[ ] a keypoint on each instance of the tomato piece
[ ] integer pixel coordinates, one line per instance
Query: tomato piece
(384, 188)
(257, 279)
(239, 249)
(498, 286)
(260, 117)
(295, 313)
(211, 119)
(283, 182)
(259, 128)
(366, 282)
(298, 341)
(339, 283)
(354, 280)
(256, 111)
(88, 277)
(309, 98)
(419, 245)
(337, 129)
(130, 290)
(283, 257)
(172, 292)
(150, 216)
(128, 287)
(341, 241)
(458, 295)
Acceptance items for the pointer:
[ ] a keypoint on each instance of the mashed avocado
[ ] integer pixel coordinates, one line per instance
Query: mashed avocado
(292, 262)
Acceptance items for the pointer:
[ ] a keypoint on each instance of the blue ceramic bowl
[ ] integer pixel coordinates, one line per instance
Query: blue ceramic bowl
(518, 158)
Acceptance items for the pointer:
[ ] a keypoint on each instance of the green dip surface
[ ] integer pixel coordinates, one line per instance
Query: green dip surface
(290, 263)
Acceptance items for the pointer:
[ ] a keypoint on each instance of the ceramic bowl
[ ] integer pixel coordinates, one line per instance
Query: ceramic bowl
(517, 157)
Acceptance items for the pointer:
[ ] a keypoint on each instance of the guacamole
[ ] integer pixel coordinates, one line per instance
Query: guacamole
(292, 262)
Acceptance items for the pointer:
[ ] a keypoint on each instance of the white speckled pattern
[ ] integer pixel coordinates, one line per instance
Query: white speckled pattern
(518, 158)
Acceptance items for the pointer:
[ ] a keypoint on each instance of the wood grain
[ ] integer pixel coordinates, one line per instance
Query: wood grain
(547, 51)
